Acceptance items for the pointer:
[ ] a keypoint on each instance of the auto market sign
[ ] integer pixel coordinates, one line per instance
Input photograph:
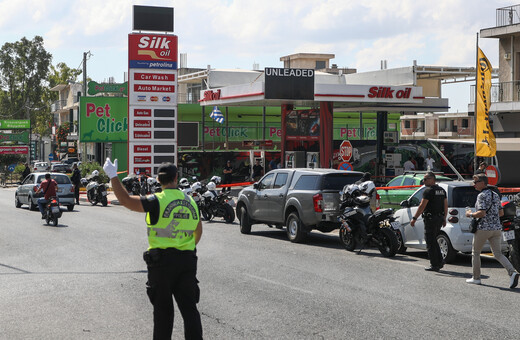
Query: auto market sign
(103, 119)
(15, 124)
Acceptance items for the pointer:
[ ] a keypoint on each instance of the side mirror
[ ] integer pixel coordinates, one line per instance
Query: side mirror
(255, 186)
(18, 183)
(405, 204)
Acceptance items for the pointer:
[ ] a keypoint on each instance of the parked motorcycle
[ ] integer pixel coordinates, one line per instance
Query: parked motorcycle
(131, 184)
(52, 211)
(361, 228)
(511, 232)
(217, 205)
(153, 185)
(96, 192)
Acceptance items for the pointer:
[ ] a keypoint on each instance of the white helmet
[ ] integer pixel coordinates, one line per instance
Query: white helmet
(184, 182)
(367, 187)
(216, 179)
(95, 173)
(211, 186)
(196, 186)
(151, 180)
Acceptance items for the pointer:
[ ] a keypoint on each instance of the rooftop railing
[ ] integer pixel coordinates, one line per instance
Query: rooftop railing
(508, 15)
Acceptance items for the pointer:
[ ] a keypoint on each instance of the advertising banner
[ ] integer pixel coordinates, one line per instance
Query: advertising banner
(303, 125)
(289, 83)
(15, 137)
(15, 124)
(486, 145)
(103, 119)
(152, 51)
(14, 150)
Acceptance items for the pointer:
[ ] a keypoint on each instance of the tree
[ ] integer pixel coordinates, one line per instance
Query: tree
(24, 70)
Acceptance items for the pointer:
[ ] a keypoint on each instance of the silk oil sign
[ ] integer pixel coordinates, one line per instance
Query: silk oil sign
(103, 119)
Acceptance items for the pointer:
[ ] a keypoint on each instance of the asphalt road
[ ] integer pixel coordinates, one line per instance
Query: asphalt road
(85, 279)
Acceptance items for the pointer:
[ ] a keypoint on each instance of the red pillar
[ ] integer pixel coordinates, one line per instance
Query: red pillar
(286, 108)
(326, 134)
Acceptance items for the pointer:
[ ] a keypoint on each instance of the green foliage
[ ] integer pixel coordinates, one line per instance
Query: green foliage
(87, 168)
(19, 169)
(6, 160)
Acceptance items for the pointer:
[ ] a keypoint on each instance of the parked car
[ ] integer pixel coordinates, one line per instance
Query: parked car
(41, 166)
(26, 191)
(455, 236)
(301, 199)
(391, 198)
(59, 167)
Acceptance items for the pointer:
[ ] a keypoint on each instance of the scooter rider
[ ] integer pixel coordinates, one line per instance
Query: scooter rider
(174, 229)
(49, 188)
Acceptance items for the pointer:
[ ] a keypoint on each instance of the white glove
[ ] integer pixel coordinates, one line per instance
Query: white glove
(110, 168)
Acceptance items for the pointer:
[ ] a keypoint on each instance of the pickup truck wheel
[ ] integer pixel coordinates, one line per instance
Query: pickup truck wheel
(245, 223)
(295, 231)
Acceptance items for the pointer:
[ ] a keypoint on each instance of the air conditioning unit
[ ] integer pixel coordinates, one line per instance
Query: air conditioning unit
(507, 56)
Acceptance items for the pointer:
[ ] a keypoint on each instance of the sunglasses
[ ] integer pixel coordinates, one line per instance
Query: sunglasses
(475, 182)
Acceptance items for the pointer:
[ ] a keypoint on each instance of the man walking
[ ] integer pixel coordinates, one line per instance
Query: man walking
(434, 209)
(174, 229)
(489, 210)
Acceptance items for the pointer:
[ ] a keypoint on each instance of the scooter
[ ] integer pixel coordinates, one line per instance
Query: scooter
(52, 211)
(511, 232)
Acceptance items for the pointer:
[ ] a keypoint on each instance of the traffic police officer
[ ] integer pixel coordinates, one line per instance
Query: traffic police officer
(174, 229)
(434, 209)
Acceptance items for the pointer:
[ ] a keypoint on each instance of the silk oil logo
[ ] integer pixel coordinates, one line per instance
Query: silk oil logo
(150, 45)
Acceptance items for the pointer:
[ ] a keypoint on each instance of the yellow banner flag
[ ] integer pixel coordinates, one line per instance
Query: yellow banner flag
(486, 145)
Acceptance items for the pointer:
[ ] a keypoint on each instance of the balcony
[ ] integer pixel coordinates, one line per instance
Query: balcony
(508, 15)
(501, 92)
(58, 105)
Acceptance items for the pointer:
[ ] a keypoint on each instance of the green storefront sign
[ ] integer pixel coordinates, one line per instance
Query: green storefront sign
(15, 124)
(95, 88)
(103, 119)
(15, 137)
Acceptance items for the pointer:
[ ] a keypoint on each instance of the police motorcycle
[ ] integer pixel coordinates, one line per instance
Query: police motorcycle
(96, 192)
(360, 227)
(153, 185)
(217, 204)
(131, 184)
(52, 211)
(511, 231)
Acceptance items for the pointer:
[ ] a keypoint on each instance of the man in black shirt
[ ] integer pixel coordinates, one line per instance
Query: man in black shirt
(228, 175)
(258, 170)
(434, 209)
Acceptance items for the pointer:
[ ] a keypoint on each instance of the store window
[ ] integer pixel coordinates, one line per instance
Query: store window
(406, 124)
(320, 64)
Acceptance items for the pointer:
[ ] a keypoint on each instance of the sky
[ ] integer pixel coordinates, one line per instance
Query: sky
(235, 34)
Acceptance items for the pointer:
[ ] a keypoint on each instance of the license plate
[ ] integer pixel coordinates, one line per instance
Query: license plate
(395, 225)
(104, 193)
(508, 235)
(55, 210)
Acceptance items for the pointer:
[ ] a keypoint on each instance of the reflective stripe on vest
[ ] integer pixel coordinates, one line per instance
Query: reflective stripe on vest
(177, 221)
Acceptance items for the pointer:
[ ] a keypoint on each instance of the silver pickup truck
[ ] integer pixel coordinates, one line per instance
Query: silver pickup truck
(300, 199)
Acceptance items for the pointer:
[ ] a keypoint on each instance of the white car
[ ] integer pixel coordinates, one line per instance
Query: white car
(456, 236)
(41, 166)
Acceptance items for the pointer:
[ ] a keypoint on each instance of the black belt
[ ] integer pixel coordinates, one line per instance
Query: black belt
(431, 215)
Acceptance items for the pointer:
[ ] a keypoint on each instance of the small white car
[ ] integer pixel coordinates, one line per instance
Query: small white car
(41, 166)
(455, 236)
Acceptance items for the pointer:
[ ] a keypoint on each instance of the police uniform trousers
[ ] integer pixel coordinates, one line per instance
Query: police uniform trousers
(173, 272)
(432, 228)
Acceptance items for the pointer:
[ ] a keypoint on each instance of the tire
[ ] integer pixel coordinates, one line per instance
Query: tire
(205, 214)
(447, 251)
(230, 214)
(52, 220)
(387, 242)
(104, 201)
(514, 254)
(294, 227)
(245, 223)
(32, 206)
(17, 202)
(347, 239)
(70, 207)
(91, 198)
(401, 248)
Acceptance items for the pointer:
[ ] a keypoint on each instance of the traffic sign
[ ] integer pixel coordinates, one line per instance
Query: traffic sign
(492, 174)
(345, 151)
(11, 167)
(345, 166)
(51, 157)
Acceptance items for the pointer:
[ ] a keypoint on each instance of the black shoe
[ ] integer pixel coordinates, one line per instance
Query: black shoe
(43, 217)
(432, 269)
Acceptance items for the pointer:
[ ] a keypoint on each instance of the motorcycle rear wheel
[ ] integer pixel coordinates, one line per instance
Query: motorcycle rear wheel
(347, 239)
(387, 242)
(51, 219)
(230, 214)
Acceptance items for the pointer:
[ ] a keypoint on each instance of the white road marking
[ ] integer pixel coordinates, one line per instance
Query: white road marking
(279, 284)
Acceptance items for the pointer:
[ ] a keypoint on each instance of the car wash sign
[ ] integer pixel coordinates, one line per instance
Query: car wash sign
(152, 101)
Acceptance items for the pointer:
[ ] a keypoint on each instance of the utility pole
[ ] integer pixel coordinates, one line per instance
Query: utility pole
(84, 152)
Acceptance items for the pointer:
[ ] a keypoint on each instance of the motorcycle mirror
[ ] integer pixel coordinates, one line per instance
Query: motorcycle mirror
(405, 204)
